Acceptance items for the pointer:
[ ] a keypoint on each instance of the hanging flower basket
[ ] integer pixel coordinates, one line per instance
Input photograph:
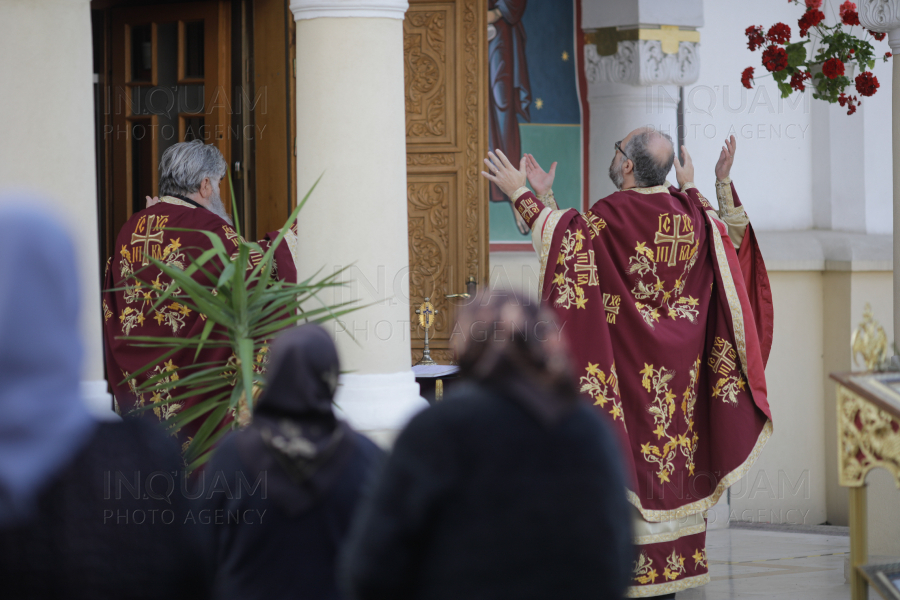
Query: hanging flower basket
(827, 59)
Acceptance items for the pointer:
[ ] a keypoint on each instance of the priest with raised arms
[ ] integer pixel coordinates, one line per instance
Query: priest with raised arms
(667, 309)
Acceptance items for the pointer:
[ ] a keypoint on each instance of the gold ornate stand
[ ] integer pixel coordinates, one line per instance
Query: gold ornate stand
(868, 407)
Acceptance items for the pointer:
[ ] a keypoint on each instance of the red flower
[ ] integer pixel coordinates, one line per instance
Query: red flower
(867, 84)
(832, 68)
(755, 37)
(887, 55)
(775, 58)
(798, 78)
(878, 35)
(810, 19)
(813, 4)
(848, 101)
(746, 77)
(849, 16)
(779, 33)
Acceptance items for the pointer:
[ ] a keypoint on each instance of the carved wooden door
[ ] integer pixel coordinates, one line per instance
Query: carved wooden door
(445, 65)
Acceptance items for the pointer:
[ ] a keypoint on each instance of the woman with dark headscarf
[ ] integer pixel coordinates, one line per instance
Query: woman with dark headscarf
(280, 536)
(75, 518)
(509, 488)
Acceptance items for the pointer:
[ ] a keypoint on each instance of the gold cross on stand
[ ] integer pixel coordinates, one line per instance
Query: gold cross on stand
(426, 312)
(674, 239)
(157, 237)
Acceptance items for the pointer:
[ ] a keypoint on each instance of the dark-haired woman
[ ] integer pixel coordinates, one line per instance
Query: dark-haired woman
(285, 488)
(509, 488)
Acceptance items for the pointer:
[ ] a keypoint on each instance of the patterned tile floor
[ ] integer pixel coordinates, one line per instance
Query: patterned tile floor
(774, 565)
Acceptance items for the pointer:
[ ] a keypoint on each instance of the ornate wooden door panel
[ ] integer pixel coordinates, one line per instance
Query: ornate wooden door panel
(445, 65)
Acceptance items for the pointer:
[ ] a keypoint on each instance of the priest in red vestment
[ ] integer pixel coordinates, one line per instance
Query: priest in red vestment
(189, 178)
(667, 308)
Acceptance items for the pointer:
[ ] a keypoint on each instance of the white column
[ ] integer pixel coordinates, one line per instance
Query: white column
(351, 129)
(638, 53)
(621, 100)
(884, 16)
(46, 69)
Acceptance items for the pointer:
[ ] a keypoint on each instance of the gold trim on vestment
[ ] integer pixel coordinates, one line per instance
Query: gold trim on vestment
(644, 591)
(549, 200)
(550, 224)
(688, 185)
(734, 302)
(671, 536)
(291, 239)
(518, 194)
(657, 189)
(176, 201)
(724, 195)
(657, 516)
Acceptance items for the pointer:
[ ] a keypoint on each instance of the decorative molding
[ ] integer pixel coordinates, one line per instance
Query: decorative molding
(868, 437)
(474, 154)
(643, 62)
(430, 159)
(428, 205)
(314, 9)
(425, 69)
(882, 15)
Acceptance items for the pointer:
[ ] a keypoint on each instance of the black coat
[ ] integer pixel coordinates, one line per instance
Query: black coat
(268, 555)
(110, 526)
(481, 501)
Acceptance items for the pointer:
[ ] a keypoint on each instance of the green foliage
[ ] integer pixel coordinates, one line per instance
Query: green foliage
(244, 310)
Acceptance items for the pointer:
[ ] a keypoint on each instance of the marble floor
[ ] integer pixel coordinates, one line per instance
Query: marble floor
(782, 565)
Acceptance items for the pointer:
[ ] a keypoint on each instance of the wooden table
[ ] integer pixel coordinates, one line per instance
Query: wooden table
(868, 418)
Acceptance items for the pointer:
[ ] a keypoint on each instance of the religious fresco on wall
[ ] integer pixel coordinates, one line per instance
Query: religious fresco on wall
(533, 100)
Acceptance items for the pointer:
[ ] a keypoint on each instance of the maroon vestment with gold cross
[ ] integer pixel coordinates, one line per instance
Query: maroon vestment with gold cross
(670, 329)
(128, 312)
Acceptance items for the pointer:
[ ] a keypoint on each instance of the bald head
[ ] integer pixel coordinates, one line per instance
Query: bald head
(652, 153)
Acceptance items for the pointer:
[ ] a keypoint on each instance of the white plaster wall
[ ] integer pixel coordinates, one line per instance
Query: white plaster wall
(613, 13)
(518, 271)
(47, 98)
(772, 171)
(787, 483)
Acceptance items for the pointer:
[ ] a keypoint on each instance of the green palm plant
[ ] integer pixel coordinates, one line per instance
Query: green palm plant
(243, 312)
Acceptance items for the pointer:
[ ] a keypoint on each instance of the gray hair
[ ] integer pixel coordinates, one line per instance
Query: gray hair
(185, 165)
(648, 170)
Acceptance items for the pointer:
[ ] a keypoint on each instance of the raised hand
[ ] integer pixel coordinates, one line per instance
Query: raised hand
(540, 180)
(726, 159)
(152, 201)
(504, 174)
(684, 171)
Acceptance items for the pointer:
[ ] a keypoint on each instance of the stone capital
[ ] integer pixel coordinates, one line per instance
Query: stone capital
(643, 62)
(884, 16)
(314, 9)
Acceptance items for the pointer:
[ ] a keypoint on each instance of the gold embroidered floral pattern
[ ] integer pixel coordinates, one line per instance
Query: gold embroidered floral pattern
(603, 388)
(700, 558)
(644, 572)
(584, 269)
(674, 566)
(723, 364)
(107, 313)
(164, 408)
(134, 293)
(650, 291)
(656, 381)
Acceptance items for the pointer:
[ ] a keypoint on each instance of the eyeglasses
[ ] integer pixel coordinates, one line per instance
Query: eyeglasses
(619, 148)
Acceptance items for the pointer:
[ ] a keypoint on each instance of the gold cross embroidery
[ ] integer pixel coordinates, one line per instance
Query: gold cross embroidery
(722, 359)
(157, 237)
(585, 262)
(529, 208)
(674, 239)
(232, 235)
